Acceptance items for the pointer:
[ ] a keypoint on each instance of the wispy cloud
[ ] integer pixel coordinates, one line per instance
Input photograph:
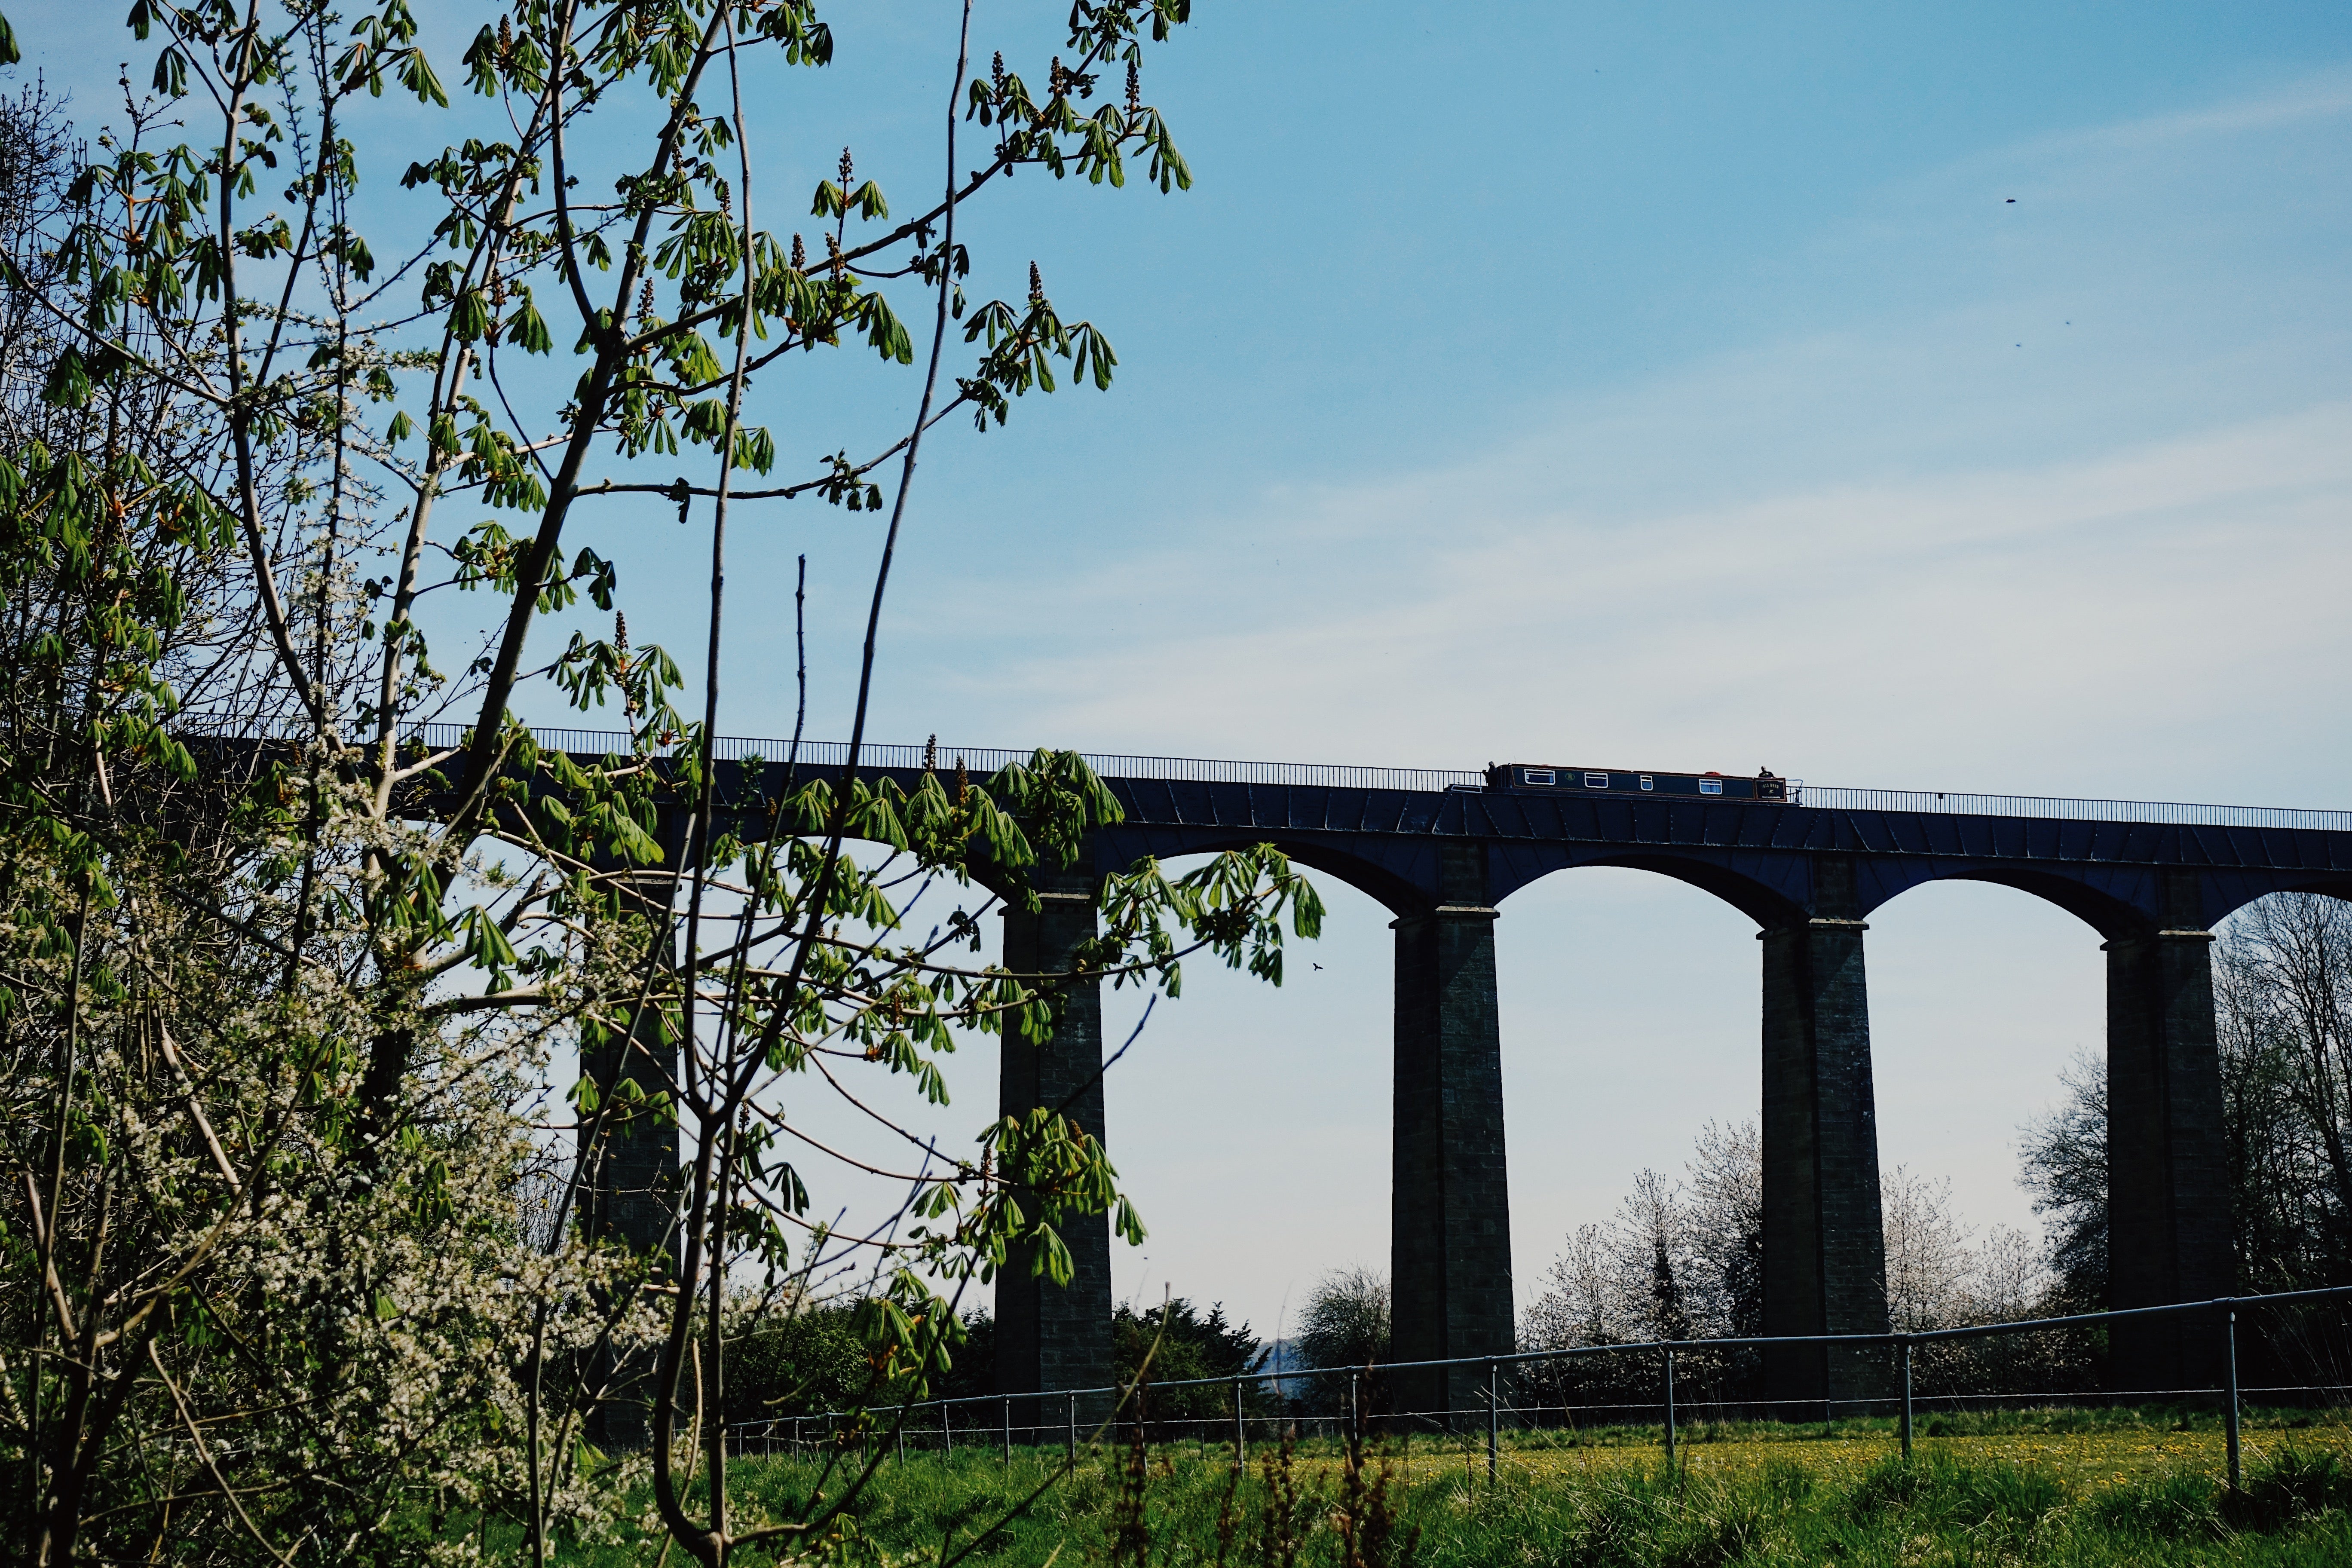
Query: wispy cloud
(1956, 623)
(1913, 542)
(2327, 95)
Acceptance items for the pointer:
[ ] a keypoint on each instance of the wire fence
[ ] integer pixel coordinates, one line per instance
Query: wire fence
(833, 754)
(1004, 1421)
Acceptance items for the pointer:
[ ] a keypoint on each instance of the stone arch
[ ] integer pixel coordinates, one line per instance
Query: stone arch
(2113, 912)
(1770, 900)
(1404, 883)
(2169, 1222)
(2224, 900)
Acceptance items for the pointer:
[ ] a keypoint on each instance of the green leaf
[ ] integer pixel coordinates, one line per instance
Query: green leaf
(755, 448)
(469, 318)
(481, 62)
(68, 383)
(1054, 1258)
(487, 944)
(885, 332)
(417, 76)
(527, 330)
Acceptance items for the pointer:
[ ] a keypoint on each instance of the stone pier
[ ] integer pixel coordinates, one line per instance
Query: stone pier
(1451, 1210)
(2167, 1172)
(1050, 1337)
(1824, 1250)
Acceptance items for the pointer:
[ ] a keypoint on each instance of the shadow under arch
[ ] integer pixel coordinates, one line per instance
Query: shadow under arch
(2331, 886)
(2111, 917)
(1394, 888)
(1768, 906)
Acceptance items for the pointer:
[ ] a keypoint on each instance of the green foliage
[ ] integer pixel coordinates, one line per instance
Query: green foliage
(2292, 1484)
(1441, 1513)
(1179, 1342)
(2178, 1507)
(800, 1362)
(301, 931)
(1345, 1322)
(2006, 1499)
(1174, 1343)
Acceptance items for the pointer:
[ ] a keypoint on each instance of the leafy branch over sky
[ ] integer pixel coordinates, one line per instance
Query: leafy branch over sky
(333, 1251)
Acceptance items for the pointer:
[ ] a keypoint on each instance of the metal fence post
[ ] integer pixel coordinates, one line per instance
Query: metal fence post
(1494, 1416)
(1240, 1437)
(1070, 1412)
(2230, 1330)
(1008, 1428)
(1907, 1398)
(947, 1428)
(1354, 1411)
(1670, 1407)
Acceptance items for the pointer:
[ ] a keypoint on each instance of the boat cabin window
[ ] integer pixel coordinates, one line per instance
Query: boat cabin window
(1710, 787)
(1646, 782)
(1596, 781)
(1539, 776)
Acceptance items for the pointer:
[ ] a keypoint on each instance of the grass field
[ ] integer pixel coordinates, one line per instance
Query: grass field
(2022, 1488)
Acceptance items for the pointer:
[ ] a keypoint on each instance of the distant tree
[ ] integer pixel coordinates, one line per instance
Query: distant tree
(1346, 1321)
(1578, 1305)
(1181, 1342)
(2283, 983)
(1679, 1262)
(1928, 1259)
(2062, 1158)
(1657, 1259)
(2010, 1280)
(1685, 1262)
(1676, 1261)
(974, 1371)
(812, 1359)
(1941, 1276)
(1344, 1324)
(799, 1363)
(1184, 1345)
(1725, 1220)
(2282, 980)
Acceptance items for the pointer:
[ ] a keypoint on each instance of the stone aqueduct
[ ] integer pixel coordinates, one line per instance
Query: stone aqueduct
(1442, 851)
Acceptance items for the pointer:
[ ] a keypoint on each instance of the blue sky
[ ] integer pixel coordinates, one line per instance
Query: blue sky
(1947, 396)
